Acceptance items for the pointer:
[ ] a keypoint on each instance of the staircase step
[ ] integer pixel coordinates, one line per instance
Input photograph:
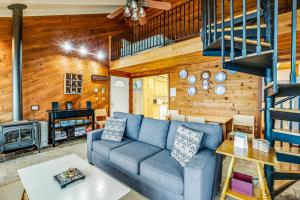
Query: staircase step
(238, 19)
(216, 46)
(253, 64)
(285, 135)
(284, 90)
(251, 31)
(288, 155)
(287, 168)
(285, 114)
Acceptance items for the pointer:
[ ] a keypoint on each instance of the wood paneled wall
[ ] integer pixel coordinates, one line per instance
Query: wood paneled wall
(44, 62)
(243, 94)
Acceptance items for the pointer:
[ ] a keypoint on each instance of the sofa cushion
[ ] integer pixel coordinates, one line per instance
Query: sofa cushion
(186, 145)
(154, 132)
(114, 130)
(104, 147)
(129, 156)
(163, 170)
(212, 137)
(133, 124)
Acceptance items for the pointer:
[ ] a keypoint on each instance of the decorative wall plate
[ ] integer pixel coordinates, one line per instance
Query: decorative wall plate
(231, 72)
(192, 79)
(220, 77)
(205, 75)
(205, 87)
(183, 74)
(192, 91)
(205, 82)
(220, 90)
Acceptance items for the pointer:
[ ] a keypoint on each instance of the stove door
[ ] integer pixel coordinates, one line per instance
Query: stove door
(26, 134)
(11, 136)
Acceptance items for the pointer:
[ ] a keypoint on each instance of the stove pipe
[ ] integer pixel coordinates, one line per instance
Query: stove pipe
(17, 59)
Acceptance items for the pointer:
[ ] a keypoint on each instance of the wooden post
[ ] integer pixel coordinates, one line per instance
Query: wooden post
(228, 176)
(109, 50)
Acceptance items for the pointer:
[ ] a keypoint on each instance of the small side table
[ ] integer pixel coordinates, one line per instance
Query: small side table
(260, 158)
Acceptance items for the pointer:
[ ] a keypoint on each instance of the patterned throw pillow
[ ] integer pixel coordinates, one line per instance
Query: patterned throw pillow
(186, 145)
(114, 130)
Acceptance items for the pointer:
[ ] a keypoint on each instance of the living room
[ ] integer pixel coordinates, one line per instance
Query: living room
(149, 99)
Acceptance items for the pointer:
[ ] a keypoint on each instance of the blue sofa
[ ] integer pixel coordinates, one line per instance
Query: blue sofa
(143, 159)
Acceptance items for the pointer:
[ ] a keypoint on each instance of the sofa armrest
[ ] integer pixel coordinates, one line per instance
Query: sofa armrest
(199, 176)
(91, 137)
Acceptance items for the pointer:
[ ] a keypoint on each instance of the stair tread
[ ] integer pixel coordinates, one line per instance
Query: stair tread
(283, 85)
(282, 167)
(281, 183)
(239, 28)
(248, 41)
(293, 151)
(287, 131)
(285, 110)
(236, 16)
(252, 58)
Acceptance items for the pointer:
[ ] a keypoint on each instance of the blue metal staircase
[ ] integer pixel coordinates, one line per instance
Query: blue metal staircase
(248, 42)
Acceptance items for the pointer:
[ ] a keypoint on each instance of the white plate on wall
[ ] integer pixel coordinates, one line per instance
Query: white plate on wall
(192, 91)
(192, 79)
(183, 74)
(205, 87)
(205, 75)
(220, 77)
(220, 90)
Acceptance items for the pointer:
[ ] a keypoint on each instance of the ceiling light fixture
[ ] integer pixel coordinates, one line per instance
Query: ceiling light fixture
(67, 46)
(127, 12)
(83, 51)
(100, 55)
(142, 12)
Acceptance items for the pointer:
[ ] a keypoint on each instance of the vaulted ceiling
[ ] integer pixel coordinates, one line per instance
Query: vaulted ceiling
(62, 7)
(66, 7)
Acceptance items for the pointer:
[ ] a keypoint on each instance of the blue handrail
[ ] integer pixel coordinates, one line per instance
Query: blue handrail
(294, 40)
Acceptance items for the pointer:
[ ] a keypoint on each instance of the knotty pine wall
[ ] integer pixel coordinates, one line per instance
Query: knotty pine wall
(44, 63)
(243, 94)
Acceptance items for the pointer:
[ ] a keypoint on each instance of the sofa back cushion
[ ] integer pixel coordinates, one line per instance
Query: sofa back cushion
(154, 132)
(212, 137)
(133, 124)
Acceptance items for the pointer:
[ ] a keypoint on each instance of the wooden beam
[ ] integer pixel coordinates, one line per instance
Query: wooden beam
(178, 49)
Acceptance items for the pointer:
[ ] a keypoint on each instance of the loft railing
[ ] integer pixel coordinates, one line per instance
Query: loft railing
(180, 23)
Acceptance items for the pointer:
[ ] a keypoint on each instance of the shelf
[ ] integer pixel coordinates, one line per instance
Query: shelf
(240, 196)
(75, 125)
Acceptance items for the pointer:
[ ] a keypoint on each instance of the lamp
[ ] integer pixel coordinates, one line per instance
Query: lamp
(142, 12)
(134, 16)
(127, 12)
(134, 6)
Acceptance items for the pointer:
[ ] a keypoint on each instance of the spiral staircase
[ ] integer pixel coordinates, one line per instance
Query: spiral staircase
(247, 42)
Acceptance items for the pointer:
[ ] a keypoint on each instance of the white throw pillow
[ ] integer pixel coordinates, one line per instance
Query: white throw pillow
(114, 130)
(186, 145)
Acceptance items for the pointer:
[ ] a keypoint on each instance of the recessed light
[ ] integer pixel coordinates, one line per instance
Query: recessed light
(100, 55)
(144, 68)
(67, 46)
(83, 51)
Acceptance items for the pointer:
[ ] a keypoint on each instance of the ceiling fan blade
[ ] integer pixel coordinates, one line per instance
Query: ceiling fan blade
(143, 21)
(158, 4)
(115, 13)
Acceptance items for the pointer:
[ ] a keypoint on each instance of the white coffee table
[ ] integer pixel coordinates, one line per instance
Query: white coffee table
(39, 184)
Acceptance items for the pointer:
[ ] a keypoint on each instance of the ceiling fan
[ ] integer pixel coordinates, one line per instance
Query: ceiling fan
(135, 9)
